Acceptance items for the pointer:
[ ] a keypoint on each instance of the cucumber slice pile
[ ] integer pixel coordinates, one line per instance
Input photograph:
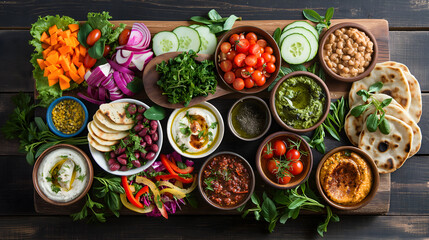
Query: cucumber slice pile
(299, 42)
(195, 37)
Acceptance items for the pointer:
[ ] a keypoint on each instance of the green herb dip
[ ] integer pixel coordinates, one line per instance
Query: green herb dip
(249, 118)
(300, 102)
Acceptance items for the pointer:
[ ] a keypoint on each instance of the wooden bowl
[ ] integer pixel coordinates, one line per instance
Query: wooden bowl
(307, 161)
(90, 173)
(246, 165)
(273, 104)
(261, 34)
(374, 188)
(322, 54)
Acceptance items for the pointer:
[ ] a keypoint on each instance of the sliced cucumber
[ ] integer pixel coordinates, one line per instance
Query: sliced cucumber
(208, 40)
(164, 42)
(295, 49)
(189, 39)
(305, 25)
(307, 34)
(194, 26)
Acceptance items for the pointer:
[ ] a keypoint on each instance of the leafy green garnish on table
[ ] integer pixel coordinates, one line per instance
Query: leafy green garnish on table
(276, 35)
(155, 113)
(107, 188)
(322, 21)
(183, 78)
(287, 204)
(216, 22)
(34, 135)
(373, 121)
(333, 124)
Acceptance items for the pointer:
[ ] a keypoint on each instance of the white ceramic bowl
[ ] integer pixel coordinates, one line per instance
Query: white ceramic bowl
(218, 140)
(101, 161)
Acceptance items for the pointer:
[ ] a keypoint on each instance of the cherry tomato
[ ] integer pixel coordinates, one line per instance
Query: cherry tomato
(238, 84)
(106, 50)
(249, 83)
(252, 41)
(124, 36)
(293, 154)
(267, 57)
(229, 77)
(239, 59)
(279, 148)
(242, 46)
(247, 72)
(256, 75)
(230, 55)
(262, 43)
(267, 151)
(273, 59)
(296, 167)
(251, 36)
(222, 56)
(270, 67)
(234, 39)
(268, 50)
(238, 72)
(284, 180)
(254, 49)
(93, 37)
(260, 62)
(266, 75)
(261, 81)
(251, 60)
(225, 47)
(226, 66)
(272, 166)
(88, 61)
(242, 36)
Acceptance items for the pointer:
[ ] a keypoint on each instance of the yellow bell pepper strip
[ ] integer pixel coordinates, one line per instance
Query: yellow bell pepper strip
(156, 194)
(124, 201)
(145, 189)
(129, 194)
(178, 194)
(174, 166)
(184, 191)
(174, 176)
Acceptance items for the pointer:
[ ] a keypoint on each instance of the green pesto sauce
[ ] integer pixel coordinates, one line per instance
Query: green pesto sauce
(249, 118)
(300, 102)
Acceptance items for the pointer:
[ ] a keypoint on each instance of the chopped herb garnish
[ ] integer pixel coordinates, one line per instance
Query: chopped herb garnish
(55, 188)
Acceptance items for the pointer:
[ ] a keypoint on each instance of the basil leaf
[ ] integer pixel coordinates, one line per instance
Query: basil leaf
(297, 67)
(41, 124)
(30, 157)
(272, 226)
(215, 28)
(312, 15)
(136, 85)
(358, 110)
(43, 147)
(386, 102)
(214, 15)
(375, 87)
(320, 27)
(372, 122)
(113, 201)
(97, 50)
(200, 19)
(269, 210)
(255, 199)
(284, 217)
(329, 14)
(230, 22)
(83, 33)
(155, 113)
(384, 126)
(276, 35)
(297, 203)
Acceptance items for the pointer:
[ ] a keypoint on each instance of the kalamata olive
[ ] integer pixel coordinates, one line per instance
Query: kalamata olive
(145, 120)
(138, 127)
(152, 131)
(112, 154)
(155, 136)
(154, 147)
(143, 132)
(136, 163)
(141, 109)
(137, 155)
(122, 161)
(148, 140)
(112, 161)
(153, 124)
(132, 109)
(139, 117)
(143, 144)
(150, 156)
(114, 166)
(119, 150)
(124, 168)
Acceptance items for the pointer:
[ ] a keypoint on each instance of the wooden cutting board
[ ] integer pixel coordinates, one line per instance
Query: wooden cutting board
(381, 202)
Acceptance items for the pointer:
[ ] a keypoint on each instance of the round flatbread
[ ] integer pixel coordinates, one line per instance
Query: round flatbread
(110, 124)
(103, 127)
(107, 136)
(416, 94)
(390, 151)
(97, 139)
(394, 82)
(116, 112)
(97, 146)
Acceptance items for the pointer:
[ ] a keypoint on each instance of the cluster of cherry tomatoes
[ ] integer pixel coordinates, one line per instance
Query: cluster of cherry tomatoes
(283, 163)
(246, 61)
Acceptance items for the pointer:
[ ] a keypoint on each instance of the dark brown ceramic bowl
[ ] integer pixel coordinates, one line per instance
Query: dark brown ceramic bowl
(41, 158)
(251, 184)
(273, 98)
(336, 76)
(368, 159)
(261, 34)
(307, 161)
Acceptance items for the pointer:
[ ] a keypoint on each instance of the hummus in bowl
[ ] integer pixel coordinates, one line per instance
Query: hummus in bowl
(347, 178)
(63, 174)
(195, 131)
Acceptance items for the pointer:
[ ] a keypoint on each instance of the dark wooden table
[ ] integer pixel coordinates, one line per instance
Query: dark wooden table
(409, 208)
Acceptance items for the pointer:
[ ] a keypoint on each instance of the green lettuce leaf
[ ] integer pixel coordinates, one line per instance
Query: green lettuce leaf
(101, 21)
(115, 34)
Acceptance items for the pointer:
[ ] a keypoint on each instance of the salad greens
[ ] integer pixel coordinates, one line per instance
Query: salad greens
(216, 22)
(322, 21)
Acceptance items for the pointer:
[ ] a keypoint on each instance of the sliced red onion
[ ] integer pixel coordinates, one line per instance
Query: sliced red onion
(124, 61)
(140, 60)
(120, 82)
(91, 100)
(102, 93)
(119, 68)
(127, 77)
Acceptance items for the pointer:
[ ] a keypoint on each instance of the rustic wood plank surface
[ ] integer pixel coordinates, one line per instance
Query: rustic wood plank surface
(408, 217)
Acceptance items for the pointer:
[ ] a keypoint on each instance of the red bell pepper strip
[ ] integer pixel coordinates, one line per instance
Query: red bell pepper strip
(174, 176)
(167, 165)
(129, 194)
(145, 189)
(174, 166)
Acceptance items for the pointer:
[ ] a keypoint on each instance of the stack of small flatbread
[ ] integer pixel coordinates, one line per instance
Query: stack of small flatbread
(109, 125)
(390, 151)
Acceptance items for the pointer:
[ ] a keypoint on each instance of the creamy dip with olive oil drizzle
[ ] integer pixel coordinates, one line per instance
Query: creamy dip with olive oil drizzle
(63, 175)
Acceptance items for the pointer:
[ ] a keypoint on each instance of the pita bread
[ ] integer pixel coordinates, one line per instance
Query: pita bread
(394, 81)
(107, 136)
(390, 151)
(116, 112)
(100, 140)
(416, 95)
(110, 124)
(97, 146)
(102, 127)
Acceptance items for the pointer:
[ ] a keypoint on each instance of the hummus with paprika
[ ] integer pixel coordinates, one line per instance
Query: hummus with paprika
(346, 178)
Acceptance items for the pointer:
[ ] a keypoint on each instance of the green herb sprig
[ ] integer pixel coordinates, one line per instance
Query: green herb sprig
(377, 119)
(216, 22)
(322, 21)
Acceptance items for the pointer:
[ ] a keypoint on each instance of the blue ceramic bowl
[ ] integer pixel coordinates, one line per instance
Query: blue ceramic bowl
(51, 123)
